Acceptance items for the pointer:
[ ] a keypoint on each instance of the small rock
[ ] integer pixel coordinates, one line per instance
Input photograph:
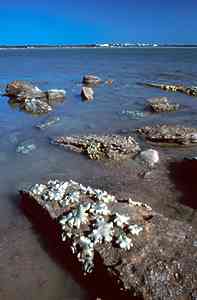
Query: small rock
(161, 104)
(87, 93)
(109, 81)
(150, 156)
(55, 94)
(25, 147)
(91, 80)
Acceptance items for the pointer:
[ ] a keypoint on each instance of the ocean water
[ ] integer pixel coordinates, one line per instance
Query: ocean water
(26, 269)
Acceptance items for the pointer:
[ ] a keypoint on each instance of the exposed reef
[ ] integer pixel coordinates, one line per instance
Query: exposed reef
(101, 147)
(190, 91)
(169, 134)
(148, 255)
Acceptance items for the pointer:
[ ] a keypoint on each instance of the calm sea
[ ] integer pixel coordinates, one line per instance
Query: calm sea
(26, 270)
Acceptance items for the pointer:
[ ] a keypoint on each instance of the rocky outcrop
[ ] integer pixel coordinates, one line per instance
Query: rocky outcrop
(161, 104)
(17, 87)
(147, 255)
(87, 93)
(101, 147)
(31, 99)
(91, 80)
(190, 91)
(170, 134)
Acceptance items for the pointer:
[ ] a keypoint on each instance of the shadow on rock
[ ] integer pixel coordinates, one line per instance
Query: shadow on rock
(100, 285)
(183, 174)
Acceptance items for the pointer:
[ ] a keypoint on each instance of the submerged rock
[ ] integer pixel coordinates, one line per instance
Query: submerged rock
(132, 114)
(25, 147)
(161, 104)
(170, 134)
(87, 93)
(51, 121)
(147, 255)
(150, 156)
(190, 91)
(101, 147)
(91, 80)
(31, 99)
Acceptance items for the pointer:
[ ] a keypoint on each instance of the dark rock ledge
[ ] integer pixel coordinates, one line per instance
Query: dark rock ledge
(128, 249)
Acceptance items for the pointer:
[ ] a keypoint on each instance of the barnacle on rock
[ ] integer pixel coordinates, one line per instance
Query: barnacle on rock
(70, 198)
(38, 189)
(121, 220)
(87, 217)
(124, 241)
(100, 208)
(102, 232)
(94, 150)
(76, 216)
(103, 196)
(135, 229)
(86, 254)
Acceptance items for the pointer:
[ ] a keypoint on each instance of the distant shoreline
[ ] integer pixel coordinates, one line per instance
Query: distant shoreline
(95, 47)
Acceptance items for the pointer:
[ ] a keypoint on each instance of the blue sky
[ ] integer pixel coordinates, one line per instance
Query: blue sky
(90, 21)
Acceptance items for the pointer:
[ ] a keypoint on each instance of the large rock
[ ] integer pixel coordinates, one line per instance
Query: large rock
(161, 104)
(91, 80)
(190, 91)
(87, 93)
(31, 98)
(146, 254)
(170, 134)
(17, 87)
(101, 147)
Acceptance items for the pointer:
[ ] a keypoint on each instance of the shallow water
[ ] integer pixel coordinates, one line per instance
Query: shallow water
(26, 270)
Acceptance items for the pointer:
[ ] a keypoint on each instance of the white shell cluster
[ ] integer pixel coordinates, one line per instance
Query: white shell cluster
(88, 221)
